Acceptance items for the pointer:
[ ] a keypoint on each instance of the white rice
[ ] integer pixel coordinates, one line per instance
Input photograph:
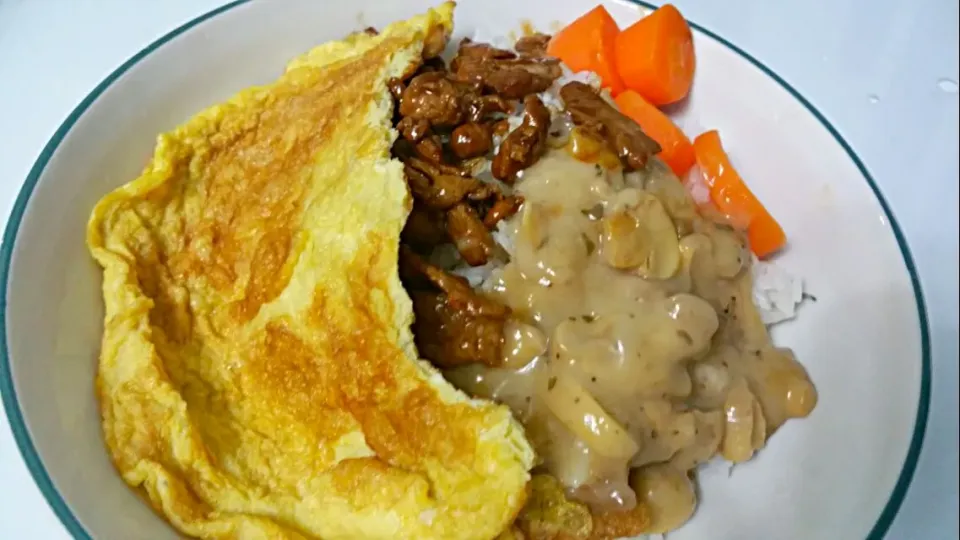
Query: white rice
(499, 41)
(697, 186)
(480, 277)
(776, 292)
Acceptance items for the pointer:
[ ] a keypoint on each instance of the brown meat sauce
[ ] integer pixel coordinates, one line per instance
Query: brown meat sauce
(524, 145)
(470, 234)
(444, 122)
(533, 45)
(471, 140)
(624, 137)
(504, 72)
(432, 97)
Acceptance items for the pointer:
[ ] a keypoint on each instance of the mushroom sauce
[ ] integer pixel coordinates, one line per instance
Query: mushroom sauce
(618, 323)
(634, 351)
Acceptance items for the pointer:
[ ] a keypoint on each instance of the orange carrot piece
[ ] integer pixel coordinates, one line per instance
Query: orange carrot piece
(655, 56)
(677, 150)
(587, 44)
(732, 196)
(765, 235)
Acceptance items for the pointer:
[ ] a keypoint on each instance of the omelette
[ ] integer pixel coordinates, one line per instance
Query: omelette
(258, 376)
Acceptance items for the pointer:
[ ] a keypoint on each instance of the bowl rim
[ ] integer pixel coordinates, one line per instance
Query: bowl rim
(60, 507)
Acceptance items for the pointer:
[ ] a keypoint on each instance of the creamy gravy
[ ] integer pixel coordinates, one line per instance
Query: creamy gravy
(635, 352)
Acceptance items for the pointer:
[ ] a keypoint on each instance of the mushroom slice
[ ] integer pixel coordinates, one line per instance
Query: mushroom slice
(549, 248)
(667, 492)
(697, 268)
(641, 236)
(581, 414)
(660, 181)
(740, 439)
(521, 344)
(759, 436)
(729, 252)
(533, 227)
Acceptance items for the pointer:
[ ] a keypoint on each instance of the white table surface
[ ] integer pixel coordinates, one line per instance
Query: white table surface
(883, 72)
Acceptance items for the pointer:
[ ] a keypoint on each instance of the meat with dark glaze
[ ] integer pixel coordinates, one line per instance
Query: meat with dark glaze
(622, 135)
(413, 129)
(432, 64)
(418, 273)
(425, 227)
(432, 97)
(431, 149)
(523, 146)
(454, 325)
(449, 337)
(408, 152)
(483, 192)
(471, 140)
(533, 46)
(523, 78)
(503, 208)
(502, 71)
(434, 188)
(480, 107)
(396, 87)
(469, 234)
(469, 51)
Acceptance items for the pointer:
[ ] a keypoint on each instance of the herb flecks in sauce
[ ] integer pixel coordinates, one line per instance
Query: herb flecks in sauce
(687, 369)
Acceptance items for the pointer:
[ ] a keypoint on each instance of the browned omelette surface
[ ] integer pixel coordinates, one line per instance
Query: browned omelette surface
(257, 376)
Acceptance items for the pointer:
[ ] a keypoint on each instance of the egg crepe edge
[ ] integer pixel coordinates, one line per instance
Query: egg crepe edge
(258, 377)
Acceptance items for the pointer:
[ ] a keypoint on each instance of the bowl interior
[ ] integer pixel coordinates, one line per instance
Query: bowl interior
(829, 476)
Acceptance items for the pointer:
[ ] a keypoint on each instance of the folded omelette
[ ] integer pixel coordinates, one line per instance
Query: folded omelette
(258, 377)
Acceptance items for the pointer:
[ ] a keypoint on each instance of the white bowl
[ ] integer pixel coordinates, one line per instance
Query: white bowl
(842, 473)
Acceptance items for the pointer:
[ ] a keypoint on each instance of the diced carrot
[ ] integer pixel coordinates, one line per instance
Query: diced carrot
(765, 235)
(587, 44)
(677, 150)
(655, 56)
(731, 196)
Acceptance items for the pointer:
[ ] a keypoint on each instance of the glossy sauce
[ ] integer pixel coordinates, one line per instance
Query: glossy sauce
(635, 352)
